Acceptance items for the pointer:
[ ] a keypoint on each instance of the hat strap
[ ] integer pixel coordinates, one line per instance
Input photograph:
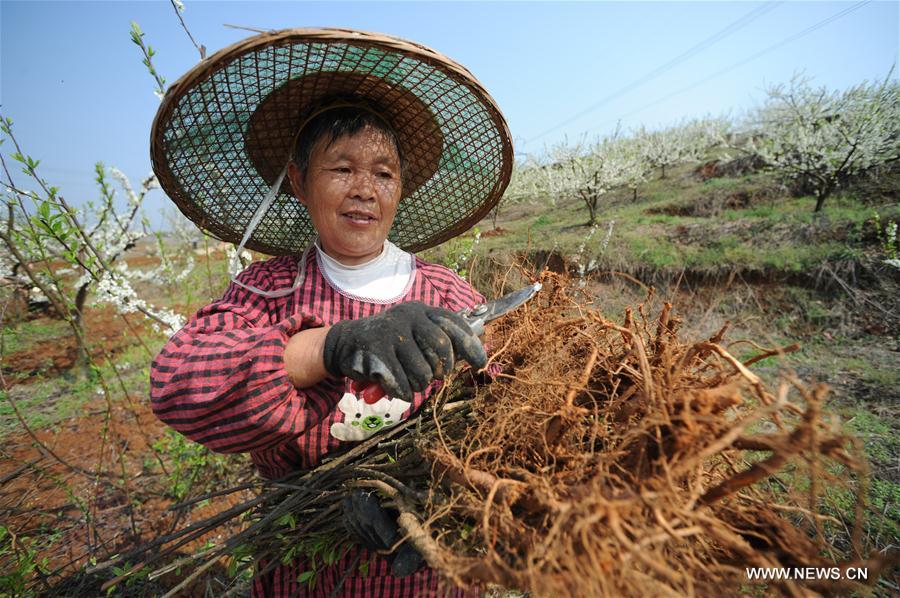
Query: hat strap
(235, 263)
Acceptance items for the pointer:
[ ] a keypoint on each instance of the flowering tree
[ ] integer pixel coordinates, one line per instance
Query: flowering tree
(635, 169)
(589, 172)
(527, 185)
(674, 145)
(820, 139)
(47, 239)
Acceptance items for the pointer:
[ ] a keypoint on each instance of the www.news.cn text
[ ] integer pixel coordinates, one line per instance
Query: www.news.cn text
(806, 573)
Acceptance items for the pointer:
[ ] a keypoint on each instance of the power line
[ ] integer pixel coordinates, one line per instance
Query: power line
(731, 28)
(744, 61)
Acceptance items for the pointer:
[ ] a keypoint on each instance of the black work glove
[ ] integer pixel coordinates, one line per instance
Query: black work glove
(377, 529)
(403, 348)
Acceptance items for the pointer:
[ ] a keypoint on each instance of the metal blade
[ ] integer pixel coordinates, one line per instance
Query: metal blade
(483, 313)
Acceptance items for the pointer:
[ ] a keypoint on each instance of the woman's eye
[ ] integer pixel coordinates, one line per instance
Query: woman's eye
(342, 169)
(385, 175)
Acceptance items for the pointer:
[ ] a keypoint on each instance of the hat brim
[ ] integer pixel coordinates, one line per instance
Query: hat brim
(217, 136)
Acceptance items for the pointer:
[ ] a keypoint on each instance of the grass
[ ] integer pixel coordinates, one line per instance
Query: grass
(837, 495)
(870, 372)
(881, 444)
(775, 234)
(863, 385)
(27, 335)
(44, 403)
(51, 400)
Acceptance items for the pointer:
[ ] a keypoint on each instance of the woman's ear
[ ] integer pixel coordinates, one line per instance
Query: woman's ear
(296, 179)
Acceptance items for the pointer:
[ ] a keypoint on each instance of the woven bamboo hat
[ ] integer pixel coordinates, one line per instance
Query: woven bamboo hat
(225, 131)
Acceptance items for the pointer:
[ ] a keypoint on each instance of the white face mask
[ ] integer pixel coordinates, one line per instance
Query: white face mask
(234, 265)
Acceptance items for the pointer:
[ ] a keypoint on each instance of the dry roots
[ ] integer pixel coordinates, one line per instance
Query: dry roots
(605, 459)
(618, 460)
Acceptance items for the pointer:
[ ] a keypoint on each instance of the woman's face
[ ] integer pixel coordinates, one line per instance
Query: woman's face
(351, 191)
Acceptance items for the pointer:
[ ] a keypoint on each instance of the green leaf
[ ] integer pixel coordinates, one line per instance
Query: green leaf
(287, 557)
(465, 532)
(331, 556)
(287, 520)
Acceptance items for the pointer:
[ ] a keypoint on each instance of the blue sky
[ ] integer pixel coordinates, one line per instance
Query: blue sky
(73, 83)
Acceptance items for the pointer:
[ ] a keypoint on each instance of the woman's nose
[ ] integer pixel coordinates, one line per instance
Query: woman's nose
(363, 186)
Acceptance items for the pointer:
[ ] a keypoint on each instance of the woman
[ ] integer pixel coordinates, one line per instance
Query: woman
(346, 148)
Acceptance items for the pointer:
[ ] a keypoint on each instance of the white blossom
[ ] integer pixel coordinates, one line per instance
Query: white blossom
(116, 290)
(36, 295)
(95, 252)
(173, 322)
(528, 183)
(580, 251)
(188, 268)
(674, 145)
(608, 236)
(6, 267)
(589, 172)
(237, 263)
(84, 279)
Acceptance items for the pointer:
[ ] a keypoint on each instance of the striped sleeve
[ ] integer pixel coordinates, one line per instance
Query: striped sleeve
(452, 291)
(221, 380)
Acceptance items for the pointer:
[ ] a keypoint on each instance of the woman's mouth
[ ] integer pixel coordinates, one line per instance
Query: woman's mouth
(360, 218)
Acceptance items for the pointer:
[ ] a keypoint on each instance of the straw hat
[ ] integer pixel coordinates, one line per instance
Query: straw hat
(225, 131)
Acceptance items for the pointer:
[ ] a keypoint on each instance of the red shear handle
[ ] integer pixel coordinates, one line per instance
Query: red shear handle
(370, 392)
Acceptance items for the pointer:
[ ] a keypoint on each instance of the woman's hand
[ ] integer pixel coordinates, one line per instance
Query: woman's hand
(403, 348)
(377, 529)
(303, 357)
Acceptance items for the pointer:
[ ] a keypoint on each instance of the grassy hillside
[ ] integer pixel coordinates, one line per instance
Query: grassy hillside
(746, 224)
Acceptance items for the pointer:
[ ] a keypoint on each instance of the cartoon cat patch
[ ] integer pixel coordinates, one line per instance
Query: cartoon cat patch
(362, 419)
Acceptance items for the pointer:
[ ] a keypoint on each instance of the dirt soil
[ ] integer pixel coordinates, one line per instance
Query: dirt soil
(494, 232)
(106, 331)
(52, 493)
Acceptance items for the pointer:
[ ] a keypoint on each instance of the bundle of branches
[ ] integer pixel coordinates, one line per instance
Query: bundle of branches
(605, 459)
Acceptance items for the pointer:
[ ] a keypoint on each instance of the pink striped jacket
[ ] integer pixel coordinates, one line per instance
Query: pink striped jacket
(221, 381)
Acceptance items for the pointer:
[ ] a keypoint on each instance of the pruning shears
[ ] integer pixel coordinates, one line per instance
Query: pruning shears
(476, 317)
